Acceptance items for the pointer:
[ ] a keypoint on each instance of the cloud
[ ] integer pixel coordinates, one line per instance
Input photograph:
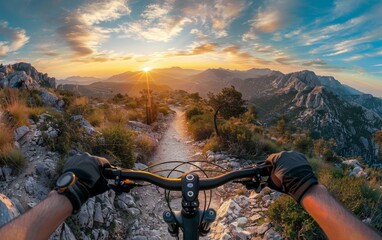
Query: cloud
(15, 38)
(321, 64)
(270, 17)
(46, 49)
(158, 23)
(81, 28)
(243, 56)
(275, 14)
(315, 62)
(218, 14)
(355, 57)
(348, 45)
(343, 7)
(196, 50)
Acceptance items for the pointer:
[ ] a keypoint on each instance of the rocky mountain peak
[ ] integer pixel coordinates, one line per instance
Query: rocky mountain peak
(24, 75)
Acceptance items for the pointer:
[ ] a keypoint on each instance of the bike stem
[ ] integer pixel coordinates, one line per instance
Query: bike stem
(191, 219)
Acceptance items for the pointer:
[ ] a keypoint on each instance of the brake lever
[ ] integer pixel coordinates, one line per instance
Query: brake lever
(259, 181)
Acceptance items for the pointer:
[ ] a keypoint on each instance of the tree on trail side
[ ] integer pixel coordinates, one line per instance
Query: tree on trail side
(228, 103)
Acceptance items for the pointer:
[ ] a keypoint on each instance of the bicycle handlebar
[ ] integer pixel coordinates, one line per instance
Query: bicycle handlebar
(174, 184)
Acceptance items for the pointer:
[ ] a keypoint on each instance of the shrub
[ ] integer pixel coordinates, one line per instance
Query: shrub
(135, 115)
(193, 112)
(12, 157)
(201, 127)
(35, 99)
(35, 112)
(116, 143)
(213, 144)
(116, 116)
(145, 145)
(6, 136)
(241, 141)
(70, 134)
(18, 113)
(294, 221)
(97, 117)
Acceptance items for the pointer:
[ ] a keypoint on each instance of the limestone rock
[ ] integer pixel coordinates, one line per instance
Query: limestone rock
(30, 185)
(85, 124)
(8, 210)
(48, 98)
(21, 132)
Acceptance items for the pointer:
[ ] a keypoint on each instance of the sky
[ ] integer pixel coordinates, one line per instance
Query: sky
(340, 38)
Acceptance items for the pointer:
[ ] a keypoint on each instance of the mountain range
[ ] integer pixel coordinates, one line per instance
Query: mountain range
(319, 105)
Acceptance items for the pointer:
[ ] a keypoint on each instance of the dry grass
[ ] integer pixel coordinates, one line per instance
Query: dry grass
(116, 116)
(12, 157)
(19, 113)
(6, 137)
(96, 118)
(80, 101)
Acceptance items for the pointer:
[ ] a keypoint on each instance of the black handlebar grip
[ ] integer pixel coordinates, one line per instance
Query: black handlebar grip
(111, 173)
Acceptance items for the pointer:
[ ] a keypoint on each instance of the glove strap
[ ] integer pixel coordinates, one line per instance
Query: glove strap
(77, 195)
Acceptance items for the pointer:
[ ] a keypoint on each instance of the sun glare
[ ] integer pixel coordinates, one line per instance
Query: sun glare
(147, 69)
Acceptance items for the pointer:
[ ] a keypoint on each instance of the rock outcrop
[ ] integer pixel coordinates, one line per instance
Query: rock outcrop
(24, 75)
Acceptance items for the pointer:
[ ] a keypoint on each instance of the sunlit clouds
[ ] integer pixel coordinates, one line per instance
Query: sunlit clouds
(332, 37)
(81, 30)
(11, 39)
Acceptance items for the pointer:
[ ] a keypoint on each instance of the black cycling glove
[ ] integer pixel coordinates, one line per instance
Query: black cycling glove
(89, 180)
(291, 174)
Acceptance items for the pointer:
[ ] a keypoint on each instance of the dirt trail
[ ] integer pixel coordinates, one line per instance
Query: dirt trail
(175, 145)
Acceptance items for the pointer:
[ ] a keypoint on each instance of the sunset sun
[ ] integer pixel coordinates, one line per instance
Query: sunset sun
(147, 69)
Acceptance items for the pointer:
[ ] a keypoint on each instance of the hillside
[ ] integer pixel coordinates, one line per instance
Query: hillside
(109, 89)
(310, 105)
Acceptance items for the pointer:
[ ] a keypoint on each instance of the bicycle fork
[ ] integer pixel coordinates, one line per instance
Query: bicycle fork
(198, 225)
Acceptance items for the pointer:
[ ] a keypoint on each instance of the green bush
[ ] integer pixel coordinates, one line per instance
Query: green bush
(116, 143)
(239, 139)
(201, 127)
(194, 111)
(293, 220)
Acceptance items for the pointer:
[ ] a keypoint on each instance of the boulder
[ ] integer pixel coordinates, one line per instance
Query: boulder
(8, 210)
(19, 79)
(85, 216)
(48, 98)
(263, 228)
(63, 232)
(85, 124)
(20, 132)
(272, 235)
(30, 185)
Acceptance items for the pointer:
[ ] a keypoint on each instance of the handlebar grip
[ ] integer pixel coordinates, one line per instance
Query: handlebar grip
(111, 173)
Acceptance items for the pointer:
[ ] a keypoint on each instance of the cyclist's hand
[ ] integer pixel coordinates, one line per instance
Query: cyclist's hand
(89, 178)
(291, 174)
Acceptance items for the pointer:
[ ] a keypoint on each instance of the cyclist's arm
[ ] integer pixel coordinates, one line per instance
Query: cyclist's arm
(40, 221)
(336, 221)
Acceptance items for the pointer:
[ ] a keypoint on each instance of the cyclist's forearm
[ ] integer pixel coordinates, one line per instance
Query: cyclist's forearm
(39, 222)
(336, 221)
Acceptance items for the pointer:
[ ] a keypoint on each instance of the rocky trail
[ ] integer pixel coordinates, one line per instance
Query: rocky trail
(175, 145)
